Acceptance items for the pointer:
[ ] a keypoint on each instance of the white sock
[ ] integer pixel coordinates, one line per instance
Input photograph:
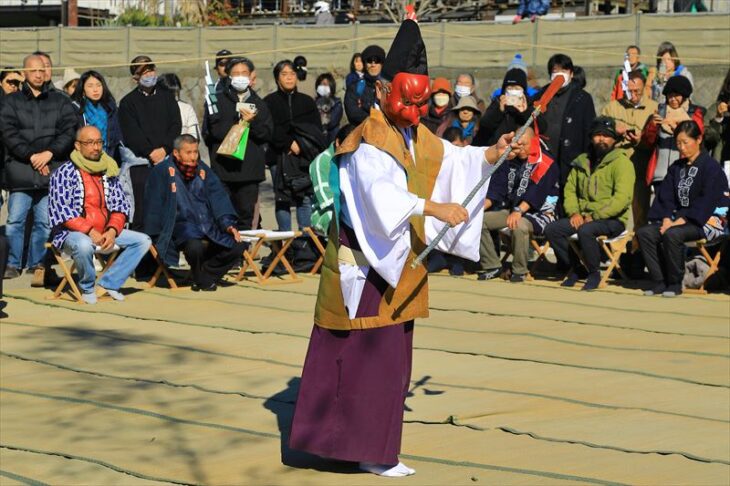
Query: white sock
(398, 471)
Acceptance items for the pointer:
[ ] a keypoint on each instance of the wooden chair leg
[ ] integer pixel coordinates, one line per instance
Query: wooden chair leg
(310, 232)
(712, 262)
(281, 257)
(249, 262)
(161, 269)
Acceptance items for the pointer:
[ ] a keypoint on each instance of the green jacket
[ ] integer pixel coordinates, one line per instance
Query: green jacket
(604, 194)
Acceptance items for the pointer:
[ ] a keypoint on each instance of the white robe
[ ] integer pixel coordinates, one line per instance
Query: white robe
(377, 205)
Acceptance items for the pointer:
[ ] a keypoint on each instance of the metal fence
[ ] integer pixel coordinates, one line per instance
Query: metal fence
(702, 39)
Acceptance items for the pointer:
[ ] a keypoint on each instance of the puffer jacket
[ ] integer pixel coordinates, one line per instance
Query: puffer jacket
(605, 193)
(30, 125)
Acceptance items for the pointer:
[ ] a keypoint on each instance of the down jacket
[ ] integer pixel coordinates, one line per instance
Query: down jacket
(29, 125)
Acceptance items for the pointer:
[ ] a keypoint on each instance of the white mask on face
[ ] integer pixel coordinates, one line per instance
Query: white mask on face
(566, 78)
(441, 99)
(148, 81)
(240, 83)
(462, 91)
(323, 90)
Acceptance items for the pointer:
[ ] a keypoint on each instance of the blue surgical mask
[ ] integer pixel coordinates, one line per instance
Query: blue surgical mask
(148, 81)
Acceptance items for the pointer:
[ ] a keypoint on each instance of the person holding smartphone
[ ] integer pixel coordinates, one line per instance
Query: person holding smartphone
(507, 112)
(237, 101)
(631, 113)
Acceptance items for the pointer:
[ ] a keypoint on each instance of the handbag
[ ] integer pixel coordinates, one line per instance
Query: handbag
(235, 141)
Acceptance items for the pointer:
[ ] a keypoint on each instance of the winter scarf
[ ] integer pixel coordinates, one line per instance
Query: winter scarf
(105, 165)
(97, 116)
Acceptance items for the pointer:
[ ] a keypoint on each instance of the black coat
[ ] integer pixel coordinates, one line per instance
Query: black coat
(149, 122)
(357, 106)
(288, 109)
(496, 123)
(575, 129)
(30, 125)
(261, 131)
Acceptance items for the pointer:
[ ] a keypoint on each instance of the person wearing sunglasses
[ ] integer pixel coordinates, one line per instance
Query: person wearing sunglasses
(10, 80)
(360, 96)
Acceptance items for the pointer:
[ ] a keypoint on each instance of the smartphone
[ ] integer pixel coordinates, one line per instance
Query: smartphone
(631, 131)
(512, 100)
(250, 107)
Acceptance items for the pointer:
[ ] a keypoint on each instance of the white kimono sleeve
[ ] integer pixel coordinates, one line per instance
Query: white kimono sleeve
(378, 205)
(461, 169)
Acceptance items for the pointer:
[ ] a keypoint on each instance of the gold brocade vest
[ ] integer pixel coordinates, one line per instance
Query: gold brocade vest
(409, 300)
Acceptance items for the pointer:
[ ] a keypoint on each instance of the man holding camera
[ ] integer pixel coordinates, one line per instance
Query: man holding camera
(237, 102)
(631, 114)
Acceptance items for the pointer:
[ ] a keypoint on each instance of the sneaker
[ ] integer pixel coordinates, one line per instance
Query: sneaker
(39, 275)
(89, 298)
(672, 290)
(570, 280)
(488, 274)
(114, 294)
(657, 289)
(592, 281)
(209, 288)
(518, 277)
(11, 272)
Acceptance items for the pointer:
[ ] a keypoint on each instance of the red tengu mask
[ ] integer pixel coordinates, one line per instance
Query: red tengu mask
(407, 100)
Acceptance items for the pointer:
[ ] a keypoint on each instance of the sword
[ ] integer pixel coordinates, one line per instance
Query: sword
(540, 107)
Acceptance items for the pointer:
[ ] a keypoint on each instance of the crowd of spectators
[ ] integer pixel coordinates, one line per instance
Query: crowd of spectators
(128, 174)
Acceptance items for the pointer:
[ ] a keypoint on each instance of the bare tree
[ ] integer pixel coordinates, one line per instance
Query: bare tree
(396, 9)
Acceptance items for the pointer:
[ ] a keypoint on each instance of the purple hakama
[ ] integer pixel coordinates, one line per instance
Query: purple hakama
(351, 397)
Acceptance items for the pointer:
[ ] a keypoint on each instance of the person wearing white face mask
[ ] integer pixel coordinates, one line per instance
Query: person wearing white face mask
(568, 121)
(237, 101)
(329, 106)
(440, 104)
(150, 120)
(466, 85)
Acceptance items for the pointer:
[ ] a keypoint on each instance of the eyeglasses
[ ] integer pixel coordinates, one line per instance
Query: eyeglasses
(13, 82)
(87, 143)
(373, 60)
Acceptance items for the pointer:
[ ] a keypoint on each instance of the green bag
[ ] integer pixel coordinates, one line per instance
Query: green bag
(234, 144)
(241, 149)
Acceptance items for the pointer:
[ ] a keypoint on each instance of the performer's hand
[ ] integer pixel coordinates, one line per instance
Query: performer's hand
(235, 233)
(493, 153)
(576, 221)
(450, 213)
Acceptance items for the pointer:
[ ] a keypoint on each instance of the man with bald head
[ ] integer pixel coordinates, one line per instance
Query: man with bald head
(88, 209)
(37, 126)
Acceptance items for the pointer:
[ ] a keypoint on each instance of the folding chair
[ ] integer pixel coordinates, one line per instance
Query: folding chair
(161, 269)
(612, 247)
(68, 281)
(538, 243)
(279, 242)
(702, 246)
(315, 239)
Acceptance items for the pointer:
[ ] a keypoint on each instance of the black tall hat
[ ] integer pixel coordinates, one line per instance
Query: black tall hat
(407, 54)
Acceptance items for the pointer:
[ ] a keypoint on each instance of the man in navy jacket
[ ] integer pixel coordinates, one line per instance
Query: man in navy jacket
(189, 210)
